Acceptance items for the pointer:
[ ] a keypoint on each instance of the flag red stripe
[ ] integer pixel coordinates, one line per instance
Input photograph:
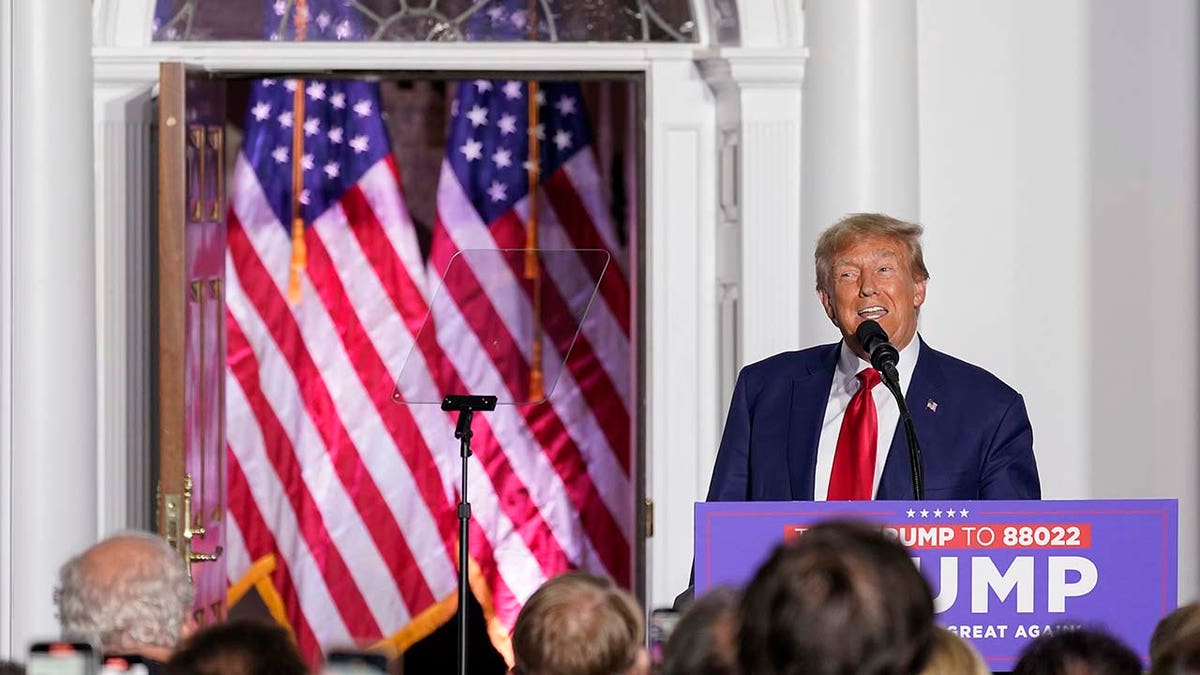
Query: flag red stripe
(577, 222)
(244, 510)
(345, 593)
(343, 455)
(543, 421)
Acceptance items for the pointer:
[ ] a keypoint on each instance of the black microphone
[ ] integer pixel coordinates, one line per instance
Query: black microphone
(874, 341)
(884, 357)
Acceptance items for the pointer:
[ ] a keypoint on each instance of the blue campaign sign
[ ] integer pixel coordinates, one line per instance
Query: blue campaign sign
(1002, 572)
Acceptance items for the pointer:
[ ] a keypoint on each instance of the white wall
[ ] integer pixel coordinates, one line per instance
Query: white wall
(1058, 187)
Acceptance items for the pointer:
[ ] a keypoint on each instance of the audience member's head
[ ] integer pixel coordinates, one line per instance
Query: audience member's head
(952, 655)
(127, 594)
(10, 668)
(579, 624)
(1180, 656)
(238, 648)
(704, 641)
(1078, 652)
(1176, 626)
(843, 598)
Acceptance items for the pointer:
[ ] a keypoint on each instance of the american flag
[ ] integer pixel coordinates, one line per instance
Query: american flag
(353, 494)
(341, 485)
(552, 484)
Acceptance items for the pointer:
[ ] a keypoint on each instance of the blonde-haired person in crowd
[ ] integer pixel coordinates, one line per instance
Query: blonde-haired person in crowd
(952, 655)
(580, 624)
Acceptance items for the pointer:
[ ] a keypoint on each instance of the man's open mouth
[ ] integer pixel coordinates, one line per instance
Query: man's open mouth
(874, 312)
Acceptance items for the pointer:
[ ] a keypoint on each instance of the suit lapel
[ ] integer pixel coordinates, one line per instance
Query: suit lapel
(810, 394)
(927, 379)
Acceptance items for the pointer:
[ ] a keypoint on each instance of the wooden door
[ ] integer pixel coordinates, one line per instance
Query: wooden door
(191, 327)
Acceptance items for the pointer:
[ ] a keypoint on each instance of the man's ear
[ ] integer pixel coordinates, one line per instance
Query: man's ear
(919, 293)
(827, 303)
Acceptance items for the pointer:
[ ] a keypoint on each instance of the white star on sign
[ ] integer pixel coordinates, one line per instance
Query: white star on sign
(562, 139)
(338, 100)
(280, 154)
(963, 513)
(335, 135)
(472, 150)
(307, 162)
(261, 110)
(332, 169)
(507, 124)
(312, 126)
(949, 513)
(478, 116)
(363, 107)
(937, 513)
(502, 158)
(285, 119)
(498, 191)
(924, 513)
(359, 143)
(483, 85)
(316, 91)
(512, 90)
(565, 105)
(910, 513)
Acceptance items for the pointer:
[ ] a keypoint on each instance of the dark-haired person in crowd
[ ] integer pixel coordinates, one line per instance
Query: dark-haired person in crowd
(10, 668)
(814, 425)
(130, 595)
(1086, 651)
(580, 624)
(704, 641)
(241, 647)
(841, 599)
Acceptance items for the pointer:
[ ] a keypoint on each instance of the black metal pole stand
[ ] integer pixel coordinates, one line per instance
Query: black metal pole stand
(916, 464)
(466, 407)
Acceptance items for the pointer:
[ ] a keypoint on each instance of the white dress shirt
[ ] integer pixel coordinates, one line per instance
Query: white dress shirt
(845, 384)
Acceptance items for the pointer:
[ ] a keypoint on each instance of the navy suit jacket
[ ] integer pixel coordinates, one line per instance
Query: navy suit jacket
(974, 432)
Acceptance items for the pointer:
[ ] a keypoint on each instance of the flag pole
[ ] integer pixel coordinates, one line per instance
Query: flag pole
(299, 247)
(532, 267)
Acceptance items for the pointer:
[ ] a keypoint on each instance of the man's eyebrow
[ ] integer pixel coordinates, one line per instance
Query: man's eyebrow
(878, 253)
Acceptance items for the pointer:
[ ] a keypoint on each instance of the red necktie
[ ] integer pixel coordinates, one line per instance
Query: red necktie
(854, 460)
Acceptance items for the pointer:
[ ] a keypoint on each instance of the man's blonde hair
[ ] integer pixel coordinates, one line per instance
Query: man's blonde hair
(577, 624)
(856, 226)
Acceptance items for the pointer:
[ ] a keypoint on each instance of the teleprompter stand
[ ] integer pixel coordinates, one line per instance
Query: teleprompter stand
(466, 407)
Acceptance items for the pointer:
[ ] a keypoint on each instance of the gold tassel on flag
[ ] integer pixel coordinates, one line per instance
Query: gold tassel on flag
(532, 267)
(299, 247)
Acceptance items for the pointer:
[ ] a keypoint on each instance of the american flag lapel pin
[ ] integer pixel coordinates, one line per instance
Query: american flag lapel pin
(932, 405)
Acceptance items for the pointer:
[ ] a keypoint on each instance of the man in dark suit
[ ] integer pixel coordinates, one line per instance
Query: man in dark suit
(812, 424)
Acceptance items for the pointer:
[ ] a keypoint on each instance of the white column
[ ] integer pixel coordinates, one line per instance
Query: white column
(860, 121)
(49, 509)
